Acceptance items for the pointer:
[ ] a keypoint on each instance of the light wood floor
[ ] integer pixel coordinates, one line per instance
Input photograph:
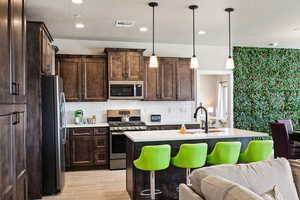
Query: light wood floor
(94, 185)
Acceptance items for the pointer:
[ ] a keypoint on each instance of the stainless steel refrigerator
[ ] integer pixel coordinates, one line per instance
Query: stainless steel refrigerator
(54, 134)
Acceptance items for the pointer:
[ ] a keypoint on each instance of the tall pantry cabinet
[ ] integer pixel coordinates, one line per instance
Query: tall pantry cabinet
(40, 61)
(13, 173)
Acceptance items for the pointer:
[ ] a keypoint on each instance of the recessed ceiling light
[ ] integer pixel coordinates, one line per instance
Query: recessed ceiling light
(201, 32)
(77, 1)
(79, 25)
(143, 29)
(273, 44)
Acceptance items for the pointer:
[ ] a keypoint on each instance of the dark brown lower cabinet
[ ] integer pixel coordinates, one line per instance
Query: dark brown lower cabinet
(20, 155)
(13, 173)
(81, 150)
(87, 148)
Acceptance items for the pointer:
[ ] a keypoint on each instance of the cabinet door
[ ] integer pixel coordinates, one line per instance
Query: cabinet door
(6, 156)
(20, 157)
(152, 83)
(18, 47)
(5, 69)
(185, 80)
(94, 79)
(47, 64)
(134, 63)
(117, 66)
(70, 71)
(82, 147)
(82, 151)
(167, 67)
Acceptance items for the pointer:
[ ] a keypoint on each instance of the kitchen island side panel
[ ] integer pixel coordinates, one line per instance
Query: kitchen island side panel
(167, 181)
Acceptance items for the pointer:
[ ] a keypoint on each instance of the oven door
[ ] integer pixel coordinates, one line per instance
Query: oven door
(117, 145)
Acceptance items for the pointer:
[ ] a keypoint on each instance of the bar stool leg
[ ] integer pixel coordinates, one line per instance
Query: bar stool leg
(188, 173)
(152, 185)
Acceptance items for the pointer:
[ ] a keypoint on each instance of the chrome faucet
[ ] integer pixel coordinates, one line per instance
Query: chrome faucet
(201, 107)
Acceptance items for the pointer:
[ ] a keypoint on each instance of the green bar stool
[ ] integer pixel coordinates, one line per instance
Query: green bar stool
(225, 153)
(190, 156)
(257, 150)
(153, 158)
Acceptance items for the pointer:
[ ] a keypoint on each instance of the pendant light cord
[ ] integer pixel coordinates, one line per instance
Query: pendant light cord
(153, 33)
(229, 31)
(194, 55)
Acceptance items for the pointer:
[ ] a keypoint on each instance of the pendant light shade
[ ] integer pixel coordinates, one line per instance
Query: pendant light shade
(153, 63)
(194, 62)
(194, 59)
(229, 62)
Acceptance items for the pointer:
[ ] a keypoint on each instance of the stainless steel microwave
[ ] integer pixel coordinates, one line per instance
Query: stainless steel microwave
(126, 90)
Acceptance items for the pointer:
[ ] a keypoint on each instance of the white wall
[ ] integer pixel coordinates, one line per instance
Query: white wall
(210, 58)
(208, 89)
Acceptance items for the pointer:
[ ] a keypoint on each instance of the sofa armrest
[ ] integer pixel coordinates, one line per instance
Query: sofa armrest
(186, 193)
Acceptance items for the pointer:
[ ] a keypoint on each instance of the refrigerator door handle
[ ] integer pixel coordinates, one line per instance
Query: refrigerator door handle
(64, 120)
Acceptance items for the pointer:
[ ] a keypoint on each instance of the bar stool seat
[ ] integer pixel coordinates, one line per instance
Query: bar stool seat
(190, 156)
(153, 158)
(257, 150)
(225, 153)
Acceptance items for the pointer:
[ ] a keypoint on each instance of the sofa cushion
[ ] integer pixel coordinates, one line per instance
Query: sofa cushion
(273, 194)
(259, 177)
(295, 165)
(218, 188)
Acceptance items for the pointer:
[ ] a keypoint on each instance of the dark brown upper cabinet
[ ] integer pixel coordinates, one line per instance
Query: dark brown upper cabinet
(152, 82)
(185, 80)
(70, 72)
(167, 68)
(94, 79)
(18, 39)
(5, 69)
(173, 80)
(125, 64)
(48, 52)
(85, 77)
(12, 51)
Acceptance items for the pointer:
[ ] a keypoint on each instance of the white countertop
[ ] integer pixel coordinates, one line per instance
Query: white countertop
(192, 134)
(87, 125)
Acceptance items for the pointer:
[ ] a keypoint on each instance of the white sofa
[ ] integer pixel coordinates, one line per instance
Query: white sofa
(277, 179)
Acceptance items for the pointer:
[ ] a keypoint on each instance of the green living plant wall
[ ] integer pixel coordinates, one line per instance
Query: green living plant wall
(266, 87)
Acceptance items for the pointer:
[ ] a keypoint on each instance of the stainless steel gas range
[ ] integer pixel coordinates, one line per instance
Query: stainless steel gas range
(121, 121)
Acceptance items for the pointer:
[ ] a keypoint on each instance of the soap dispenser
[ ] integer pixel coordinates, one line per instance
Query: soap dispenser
(182, 129)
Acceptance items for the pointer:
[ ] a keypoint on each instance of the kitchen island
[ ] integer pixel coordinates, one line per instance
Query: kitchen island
(167, 181)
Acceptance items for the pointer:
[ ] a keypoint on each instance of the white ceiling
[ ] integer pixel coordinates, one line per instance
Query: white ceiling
(254, 22)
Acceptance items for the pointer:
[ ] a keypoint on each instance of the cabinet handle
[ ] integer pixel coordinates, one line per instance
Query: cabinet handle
(17, 115)
(18, 89)
(14, 88)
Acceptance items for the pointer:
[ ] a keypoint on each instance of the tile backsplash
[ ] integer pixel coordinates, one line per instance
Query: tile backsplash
(170, 111)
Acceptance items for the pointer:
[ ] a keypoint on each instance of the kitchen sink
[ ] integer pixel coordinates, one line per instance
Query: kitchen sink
(202, 131)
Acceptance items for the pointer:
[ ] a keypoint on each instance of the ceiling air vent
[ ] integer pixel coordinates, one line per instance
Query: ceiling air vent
(124, 23)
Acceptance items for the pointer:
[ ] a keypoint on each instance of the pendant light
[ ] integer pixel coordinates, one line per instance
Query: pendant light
(194, 59)
(153, 59)
(229, 62)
